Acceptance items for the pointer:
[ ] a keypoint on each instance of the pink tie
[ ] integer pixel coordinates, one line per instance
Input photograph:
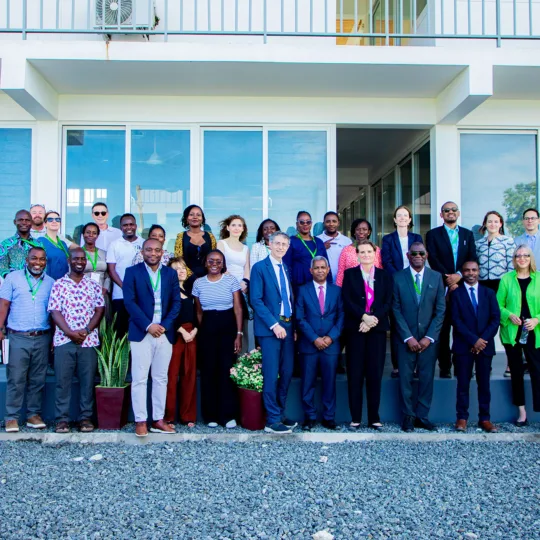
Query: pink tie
(321, 299)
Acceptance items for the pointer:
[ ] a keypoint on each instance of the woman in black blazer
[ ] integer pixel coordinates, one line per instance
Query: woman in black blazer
(367, 297)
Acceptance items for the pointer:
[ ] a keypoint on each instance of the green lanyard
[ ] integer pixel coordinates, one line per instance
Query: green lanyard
(31, 243)
(92, 262)
(34, 288)
(158, 279)
(312, 253)
(59, 244)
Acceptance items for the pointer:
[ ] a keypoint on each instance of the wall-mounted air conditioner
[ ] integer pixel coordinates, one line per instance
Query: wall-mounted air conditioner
(124, 14)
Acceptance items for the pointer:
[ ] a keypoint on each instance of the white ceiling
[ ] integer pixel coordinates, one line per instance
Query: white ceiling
(516, 82)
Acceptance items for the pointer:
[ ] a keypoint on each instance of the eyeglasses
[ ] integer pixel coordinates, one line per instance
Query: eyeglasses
(416, 253)
(305, 222)
(447, 210)
(52, 219)
(100, 213)
(523, 256)
(215, 262)
(534, 218)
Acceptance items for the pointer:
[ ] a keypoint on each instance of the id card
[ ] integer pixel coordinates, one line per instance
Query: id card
(95, 276)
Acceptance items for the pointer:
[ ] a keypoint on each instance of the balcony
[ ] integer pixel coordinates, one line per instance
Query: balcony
(321, 22)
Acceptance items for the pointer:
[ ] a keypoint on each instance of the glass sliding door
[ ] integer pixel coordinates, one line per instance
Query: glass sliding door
(422, 190)
(389, 203)
(406, 180)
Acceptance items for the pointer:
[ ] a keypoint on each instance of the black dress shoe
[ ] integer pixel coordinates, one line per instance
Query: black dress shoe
(424, 423)
(408, 424)
(522, 424)
(329, 424)
(445, 374)
(308, 424)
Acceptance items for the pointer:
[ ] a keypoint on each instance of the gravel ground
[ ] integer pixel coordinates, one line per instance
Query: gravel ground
(271, 490)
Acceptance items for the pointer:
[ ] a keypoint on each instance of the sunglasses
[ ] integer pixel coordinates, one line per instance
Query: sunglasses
(523, 256)
(52, 219)
(416, 253)
(305, 222)
(453, 209)
(100, 214)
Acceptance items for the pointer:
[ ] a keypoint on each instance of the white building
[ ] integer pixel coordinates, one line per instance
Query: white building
(266, 107)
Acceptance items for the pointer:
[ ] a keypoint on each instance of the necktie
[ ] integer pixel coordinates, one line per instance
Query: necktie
(284, 297)
(321, 299)
(418, 287)
(473, 300)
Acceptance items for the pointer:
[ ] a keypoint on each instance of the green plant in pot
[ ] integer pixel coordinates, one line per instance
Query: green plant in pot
(112, 394)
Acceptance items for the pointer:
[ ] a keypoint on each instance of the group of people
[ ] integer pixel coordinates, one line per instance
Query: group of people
(300, 298)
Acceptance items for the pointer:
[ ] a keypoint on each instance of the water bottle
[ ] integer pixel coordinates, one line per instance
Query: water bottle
(524, 333)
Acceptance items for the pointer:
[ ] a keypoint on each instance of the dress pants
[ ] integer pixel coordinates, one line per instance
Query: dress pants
(183, 364)
(515, 361)
(424, 363)
(366, 354)
(68, 359)
(394, 341)
(122, 317)
(154, 355)
(28, 360)
(219, 396)
(328, 365)
(277, 368)
(445, 354)
(463, 368)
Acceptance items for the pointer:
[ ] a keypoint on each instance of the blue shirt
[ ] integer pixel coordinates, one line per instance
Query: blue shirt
(26, 314)
(57, 261)
(216, 295)
(453, 235)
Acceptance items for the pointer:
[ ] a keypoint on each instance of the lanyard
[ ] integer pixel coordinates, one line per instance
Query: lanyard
(92, 262)
(59, 244)
(312, 253)
(30, 242)
(34, 288)
(158, 280)
(416, 288)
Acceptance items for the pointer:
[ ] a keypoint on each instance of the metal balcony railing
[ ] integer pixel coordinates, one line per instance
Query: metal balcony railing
(341, 22)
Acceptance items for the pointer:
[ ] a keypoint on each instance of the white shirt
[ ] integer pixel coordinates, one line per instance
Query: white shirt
(335, 249)
(276, 270)
(121, 252)
(475, 287)
(107, 237)
(316, 285)
(404, 241)
(155, 279)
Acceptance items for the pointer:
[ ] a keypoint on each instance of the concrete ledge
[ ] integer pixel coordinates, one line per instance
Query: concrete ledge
(327, 438)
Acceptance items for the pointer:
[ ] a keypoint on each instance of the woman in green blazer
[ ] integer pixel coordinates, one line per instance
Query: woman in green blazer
(519, 300)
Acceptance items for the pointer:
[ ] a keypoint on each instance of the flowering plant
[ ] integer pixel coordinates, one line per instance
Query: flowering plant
(247, 372)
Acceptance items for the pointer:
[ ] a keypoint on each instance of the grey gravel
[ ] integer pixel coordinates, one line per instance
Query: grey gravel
(454, 489)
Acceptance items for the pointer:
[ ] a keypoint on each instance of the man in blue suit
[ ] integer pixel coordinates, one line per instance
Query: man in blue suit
(272, 302)
(152, 299)
(476, 317)
(320, 318)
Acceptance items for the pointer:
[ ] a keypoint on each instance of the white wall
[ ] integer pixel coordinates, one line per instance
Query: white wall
(504, 113)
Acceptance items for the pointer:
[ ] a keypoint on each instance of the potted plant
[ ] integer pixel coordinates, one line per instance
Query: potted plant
(112, 394)
(247, 374)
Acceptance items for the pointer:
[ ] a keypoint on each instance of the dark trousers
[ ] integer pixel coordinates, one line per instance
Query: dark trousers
(68, 360)
(515, 361)
(122, 317)
(424, 363)
(445, 354)
(328, 365)
(216, 347)
(394, 342)
(365, 360)
(28, 360)
(463, 368)
(277, 368)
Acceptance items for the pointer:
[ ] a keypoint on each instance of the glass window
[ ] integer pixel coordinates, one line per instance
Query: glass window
(405, 171)
(95, 171)
(422, 202)
(233, 171)
(297, 176)
(15, 175)
(377, 223)
(388, 203)
(498, 172)
(160, 175)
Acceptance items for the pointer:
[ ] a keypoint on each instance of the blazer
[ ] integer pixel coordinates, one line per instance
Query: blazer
(354, 298)
(509, 299)
(522, 240)
(418, 319)
(468, 325)
(441, 258)
(392, 256)
(265, 296)
(139, 301)
(312, 324)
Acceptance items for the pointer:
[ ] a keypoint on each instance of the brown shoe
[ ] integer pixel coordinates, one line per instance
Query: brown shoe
(487, 426)
(461, 425)
(141, 429)
(12, 426)
(62, 427)
(86, 426)
(35, 422)
(161, 427)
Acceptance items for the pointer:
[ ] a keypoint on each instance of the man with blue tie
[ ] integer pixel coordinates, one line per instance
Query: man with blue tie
(320, 318)
(531, 235)
(272, 300)
(476, 317)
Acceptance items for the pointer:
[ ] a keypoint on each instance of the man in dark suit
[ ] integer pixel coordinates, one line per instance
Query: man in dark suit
(319, 316)
(449, 246)
(476, 317)
(272, 302)
(152, 299)
(419, 307)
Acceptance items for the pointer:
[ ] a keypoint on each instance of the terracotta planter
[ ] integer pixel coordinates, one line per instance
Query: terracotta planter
(112, 407)
(252, 414)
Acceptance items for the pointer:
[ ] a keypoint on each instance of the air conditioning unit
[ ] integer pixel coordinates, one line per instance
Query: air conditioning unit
(124, 14)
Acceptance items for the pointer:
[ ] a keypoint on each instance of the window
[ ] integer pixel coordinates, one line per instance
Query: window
(388, 204)
(422, 191)
(15, 175)
(498, 172)
(405, 171)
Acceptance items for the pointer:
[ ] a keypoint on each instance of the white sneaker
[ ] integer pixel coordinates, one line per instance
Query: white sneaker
(212, 424)
(231, 424)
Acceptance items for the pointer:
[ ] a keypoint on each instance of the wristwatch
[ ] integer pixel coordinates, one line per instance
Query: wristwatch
(88, 329)
(240, 333)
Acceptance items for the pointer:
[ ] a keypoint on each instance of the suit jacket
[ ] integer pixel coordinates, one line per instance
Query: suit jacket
(520, 240)
(354, 298)
(139, 301)
(441, 257)
(265, 296)
(312, 324)
(468, 325)
(418, 319)
(392, 256)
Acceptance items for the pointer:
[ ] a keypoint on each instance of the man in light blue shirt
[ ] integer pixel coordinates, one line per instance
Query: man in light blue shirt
(531, 236)
(24, 297)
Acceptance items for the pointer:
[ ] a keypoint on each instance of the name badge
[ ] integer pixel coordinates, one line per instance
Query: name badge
(95, 276)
